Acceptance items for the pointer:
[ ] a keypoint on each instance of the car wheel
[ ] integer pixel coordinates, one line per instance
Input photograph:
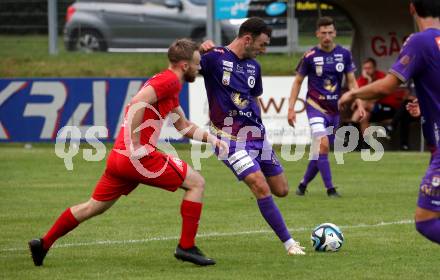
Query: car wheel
(89, 41)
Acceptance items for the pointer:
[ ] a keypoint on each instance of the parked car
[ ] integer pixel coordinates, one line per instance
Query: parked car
(101, 24)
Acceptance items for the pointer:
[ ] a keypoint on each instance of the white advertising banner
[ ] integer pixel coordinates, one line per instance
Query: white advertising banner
(274, 104)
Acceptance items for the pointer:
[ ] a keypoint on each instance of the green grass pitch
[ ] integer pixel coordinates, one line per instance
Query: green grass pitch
(136, 238)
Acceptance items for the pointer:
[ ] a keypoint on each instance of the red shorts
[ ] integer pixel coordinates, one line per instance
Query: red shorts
(122, 176)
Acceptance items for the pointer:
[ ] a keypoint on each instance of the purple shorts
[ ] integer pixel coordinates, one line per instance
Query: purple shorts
(429, 192)
(251, 156)
(320, 122)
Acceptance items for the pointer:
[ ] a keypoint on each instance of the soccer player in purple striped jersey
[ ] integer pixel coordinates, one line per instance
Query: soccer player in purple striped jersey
(419, 60)
(233, 83)
(325, 66)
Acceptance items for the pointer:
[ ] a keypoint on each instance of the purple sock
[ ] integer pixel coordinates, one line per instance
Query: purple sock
(273, 217)
(430, 229)
(324, 168)
(312, 170)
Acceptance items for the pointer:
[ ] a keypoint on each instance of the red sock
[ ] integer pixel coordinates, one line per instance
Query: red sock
(65, 223)
(190, 212)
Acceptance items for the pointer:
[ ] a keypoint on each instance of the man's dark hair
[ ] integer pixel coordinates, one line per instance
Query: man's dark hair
(427, 8)
(182, 49)
(371, 60)
(325, 21)
(254, 26)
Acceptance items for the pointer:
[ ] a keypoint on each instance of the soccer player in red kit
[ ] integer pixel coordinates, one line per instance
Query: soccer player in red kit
(134, 159)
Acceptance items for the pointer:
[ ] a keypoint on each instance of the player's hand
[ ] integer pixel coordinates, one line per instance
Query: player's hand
(345, 100)
(291, 117)
(366, 76)
(206, 46)
(413, 108)
(222, 146)
(362, 113)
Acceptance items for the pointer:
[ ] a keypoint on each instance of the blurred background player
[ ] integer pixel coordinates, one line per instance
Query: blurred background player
(233, 83)
(135, 160)
(419, 60)
(325, 65)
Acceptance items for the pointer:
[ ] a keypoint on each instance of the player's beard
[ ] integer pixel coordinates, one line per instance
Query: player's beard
(189, 76)
(248, 52)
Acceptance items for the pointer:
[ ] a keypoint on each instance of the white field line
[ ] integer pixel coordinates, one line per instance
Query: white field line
(207, 235)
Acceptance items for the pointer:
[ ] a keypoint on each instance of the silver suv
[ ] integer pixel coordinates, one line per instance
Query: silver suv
(102, 24)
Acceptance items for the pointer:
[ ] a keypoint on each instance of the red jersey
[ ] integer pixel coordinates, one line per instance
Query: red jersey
(167, 87)
(362, 81)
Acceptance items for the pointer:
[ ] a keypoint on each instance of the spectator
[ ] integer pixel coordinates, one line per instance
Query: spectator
(390, 107)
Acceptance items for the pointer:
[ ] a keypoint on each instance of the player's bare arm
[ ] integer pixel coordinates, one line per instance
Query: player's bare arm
(351, 81)
(375, 90)
(206, 46)
(291, 115)
(358, 104)
(192, 131)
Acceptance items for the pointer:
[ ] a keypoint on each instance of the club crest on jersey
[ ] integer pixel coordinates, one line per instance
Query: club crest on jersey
(319, 70)
(437, 40)
(251, 81)
(241, 103)
(319, 64)
(226, 78)
(340, 67)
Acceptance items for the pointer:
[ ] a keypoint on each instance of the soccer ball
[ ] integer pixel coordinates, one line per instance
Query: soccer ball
(327, 237)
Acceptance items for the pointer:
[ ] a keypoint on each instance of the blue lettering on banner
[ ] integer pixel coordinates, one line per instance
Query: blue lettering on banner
(33, 110)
